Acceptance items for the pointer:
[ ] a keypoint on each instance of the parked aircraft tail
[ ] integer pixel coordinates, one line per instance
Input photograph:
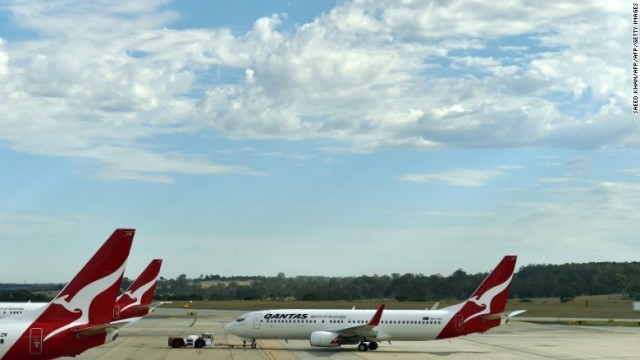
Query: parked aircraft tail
(485, 308)
(78, 317)
(136, 300)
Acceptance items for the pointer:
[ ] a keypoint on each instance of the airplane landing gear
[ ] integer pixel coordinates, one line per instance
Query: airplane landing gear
(363, 346)
(253, 343)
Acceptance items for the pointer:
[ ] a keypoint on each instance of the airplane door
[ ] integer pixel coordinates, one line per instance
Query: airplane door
(256, 320)
(459, 320)
(35, 341)
(116, 312)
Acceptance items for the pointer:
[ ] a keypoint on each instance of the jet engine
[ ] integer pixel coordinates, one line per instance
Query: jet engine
(325, 339)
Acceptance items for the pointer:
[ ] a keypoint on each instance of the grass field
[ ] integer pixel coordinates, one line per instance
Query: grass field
(602, 307)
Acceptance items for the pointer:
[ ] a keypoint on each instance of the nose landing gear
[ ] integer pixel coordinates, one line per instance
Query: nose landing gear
(253, 343)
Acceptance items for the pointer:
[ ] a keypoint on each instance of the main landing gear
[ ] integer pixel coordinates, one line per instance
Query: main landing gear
(363, 346)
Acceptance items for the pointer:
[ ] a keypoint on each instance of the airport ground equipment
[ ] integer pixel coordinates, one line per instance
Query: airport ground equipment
(192, 341)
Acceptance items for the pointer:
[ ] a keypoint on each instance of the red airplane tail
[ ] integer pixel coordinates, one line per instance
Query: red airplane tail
(98, 283)
(77, 319)
(485, 308)
(136, 300)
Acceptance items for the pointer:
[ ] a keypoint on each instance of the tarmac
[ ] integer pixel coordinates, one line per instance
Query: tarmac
(147, 339)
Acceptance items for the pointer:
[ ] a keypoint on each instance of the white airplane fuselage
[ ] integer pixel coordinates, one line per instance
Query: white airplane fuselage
(409, 325)
(8, 308)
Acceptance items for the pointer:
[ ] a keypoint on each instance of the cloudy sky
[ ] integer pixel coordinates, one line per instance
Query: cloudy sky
(316, 137)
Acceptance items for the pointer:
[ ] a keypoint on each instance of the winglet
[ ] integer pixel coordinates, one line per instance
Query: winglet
(375, 320)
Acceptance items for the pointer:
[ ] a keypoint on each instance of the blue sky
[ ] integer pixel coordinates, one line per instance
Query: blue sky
(316, 137)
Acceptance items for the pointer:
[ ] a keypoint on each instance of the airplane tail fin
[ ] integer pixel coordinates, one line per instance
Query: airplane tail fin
(495, 287)
(93, 291)
(85, 302)
(136, 300)
(490, 298)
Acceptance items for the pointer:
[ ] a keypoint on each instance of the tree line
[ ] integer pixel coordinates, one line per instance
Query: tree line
(530, 281)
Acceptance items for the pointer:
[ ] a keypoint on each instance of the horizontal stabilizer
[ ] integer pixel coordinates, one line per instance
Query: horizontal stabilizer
(505, 316)
(151, 307)
(99, 329)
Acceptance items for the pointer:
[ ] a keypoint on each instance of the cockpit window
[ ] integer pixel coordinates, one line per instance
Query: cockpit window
(240, 319)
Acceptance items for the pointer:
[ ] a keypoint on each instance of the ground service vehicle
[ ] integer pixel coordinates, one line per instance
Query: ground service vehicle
(191, 341)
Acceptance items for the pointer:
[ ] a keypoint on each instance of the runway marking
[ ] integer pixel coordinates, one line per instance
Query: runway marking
(267, 351)
(268, 347)
(509, 348)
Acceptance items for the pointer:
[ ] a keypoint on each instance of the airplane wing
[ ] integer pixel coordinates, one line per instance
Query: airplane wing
(364, 330)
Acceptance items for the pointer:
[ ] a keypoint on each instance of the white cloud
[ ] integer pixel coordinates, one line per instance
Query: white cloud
(510, 167)
(282, 155)
(23, 226)
(554, 180)
(579, 164)
(365, 76)
(458, 214)
(454, 177)
(138, 164)
(617, 199)
(4, 60)
(326, 65)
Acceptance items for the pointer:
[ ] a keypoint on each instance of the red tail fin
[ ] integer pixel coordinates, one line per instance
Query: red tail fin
(86, 301)
(94, 289)
(489, 298)
(135, 301)
(494, 290)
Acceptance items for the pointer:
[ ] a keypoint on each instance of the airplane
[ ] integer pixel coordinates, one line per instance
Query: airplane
(79, 317)
(130, 306)
(334, 327)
